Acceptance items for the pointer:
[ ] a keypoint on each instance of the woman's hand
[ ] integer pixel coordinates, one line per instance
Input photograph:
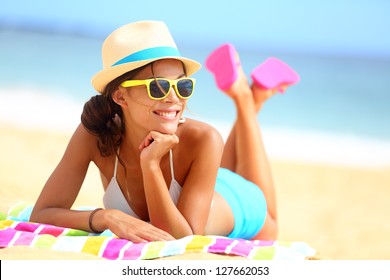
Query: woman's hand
(156, 145)
(130, 228)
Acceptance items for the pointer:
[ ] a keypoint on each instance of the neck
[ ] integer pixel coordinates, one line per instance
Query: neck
(130, 146)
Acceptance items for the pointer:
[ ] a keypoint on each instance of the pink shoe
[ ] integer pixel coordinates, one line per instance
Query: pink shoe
(274, 73)
(222, 63)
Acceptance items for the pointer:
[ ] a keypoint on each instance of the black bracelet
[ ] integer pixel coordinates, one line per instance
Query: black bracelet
(90, 220)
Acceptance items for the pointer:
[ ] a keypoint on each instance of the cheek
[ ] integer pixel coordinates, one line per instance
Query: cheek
(139, 100)
(140, 113)
(138, 95)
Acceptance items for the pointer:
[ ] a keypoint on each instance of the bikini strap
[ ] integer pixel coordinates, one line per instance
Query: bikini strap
(171, 164)
(116, 164)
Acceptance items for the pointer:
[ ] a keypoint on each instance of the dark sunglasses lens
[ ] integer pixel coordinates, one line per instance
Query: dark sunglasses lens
(159, 90)
(185, 87)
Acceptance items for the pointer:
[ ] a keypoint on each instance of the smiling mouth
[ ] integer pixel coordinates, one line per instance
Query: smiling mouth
(166, 114)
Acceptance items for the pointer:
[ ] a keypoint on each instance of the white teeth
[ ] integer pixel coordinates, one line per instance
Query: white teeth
(167, 114)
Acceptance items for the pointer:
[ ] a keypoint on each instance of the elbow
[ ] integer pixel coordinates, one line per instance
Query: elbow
(185, 231)
(182, 234)
(34, 216)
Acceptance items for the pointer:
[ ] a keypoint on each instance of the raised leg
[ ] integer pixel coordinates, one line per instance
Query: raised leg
(244, 150)
(229, 157)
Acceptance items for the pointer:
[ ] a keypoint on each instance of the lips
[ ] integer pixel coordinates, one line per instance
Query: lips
(167, 114)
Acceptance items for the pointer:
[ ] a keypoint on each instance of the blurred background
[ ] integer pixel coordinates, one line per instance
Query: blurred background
(341, 49)
(338, 114)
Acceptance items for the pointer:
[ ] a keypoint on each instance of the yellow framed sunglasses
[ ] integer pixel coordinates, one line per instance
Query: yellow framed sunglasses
(159, 88)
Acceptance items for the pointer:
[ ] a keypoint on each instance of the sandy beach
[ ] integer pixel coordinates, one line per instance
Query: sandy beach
(340, 211)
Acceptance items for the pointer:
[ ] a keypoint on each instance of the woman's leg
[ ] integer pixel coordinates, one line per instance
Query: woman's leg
(229, 159)
(244, 151)
(229, 153)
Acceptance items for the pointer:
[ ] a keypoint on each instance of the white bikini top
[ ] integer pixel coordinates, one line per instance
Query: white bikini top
(114, 198)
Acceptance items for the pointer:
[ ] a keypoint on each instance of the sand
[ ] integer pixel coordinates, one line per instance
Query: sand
(340, 211)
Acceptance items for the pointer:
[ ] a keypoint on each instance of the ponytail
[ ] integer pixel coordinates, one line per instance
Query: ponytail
(103, 118)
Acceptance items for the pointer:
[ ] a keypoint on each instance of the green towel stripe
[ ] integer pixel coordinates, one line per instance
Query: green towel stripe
(45, 241)
(264, 253)
(3, 216)
(18, 209)
(76, 232)
(153, 250)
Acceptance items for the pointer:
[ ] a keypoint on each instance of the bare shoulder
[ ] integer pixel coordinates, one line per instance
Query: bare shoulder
(84, 143)
(197, 129)
(200, 150)
(195, 133)
(83, 136)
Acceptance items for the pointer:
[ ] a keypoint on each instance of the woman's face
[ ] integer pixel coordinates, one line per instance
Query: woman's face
(157, 115)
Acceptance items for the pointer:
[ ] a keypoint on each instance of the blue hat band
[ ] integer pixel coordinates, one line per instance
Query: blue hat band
(157, 52)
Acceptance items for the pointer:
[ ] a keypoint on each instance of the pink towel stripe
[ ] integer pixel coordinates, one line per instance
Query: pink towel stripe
(220, 245)
(134, 252)
(6, 236)
(14, 233)
(28, 227)
(52, 230)
(113, 248)
(242, 249)
(25, 238)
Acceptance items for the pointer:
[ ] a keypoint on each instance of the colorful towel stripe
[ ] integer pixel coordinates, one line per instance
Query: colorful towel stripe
(14, 232)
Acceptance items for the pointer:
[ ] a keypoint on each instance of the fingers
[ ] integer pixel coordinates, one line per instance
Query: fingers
(147, 141)
(133, 229)
(135, 239)
(144, 232)
(168, 140)
(156, 234)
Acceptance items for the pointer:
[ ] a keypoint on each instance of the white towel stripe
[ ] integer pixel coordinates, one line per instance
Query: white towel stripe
(39, 229)
(231, 246)
(103, 247)
(122, 251)
(13, 240)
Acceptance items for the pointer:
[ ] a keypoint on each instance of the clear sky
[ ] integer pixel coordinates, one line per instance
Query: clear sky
(346, 27)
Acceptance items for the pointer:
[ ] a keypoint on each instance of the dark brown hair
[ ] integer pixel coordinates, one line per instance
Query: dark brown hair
(103, 117)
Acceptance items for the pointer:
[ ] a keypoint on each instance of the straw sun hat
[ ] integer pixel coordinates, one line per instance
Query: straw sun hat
(134, 45)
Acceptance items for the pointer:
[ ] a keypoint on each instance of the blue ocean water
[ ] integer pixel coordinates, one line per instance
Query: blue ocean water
(339, 111)
(336, 94)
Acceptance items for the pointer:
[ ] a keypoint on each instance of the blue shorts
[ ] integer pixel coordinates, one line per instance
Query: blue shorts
(246, 200)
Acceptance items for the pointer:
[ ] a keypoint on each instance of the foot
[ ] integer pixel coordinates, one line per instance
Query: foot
(240, 87)
(271, 76)
(260, 95)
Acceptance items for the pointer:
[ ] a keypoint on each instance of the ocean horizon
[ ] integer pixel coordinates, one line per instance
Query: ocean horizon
(337, 114)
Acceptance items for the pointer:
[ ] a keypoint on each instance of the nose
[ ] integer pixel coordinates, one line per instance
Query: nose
(172, 96)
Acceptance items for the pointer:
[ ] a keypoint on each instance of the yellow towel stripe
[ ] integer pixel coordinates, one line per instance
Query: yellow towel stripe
(93, 244)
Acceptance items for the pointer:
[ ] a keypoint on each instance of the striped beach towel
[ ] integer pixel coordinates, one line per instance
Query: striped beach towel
(15, 231)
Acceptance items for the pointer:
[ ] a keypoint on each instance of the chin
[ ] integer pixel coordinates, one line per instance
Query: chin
(167, 129)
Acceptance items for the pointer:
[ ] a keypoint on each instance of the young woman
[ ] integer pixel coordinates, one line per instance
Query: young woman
(164, 176)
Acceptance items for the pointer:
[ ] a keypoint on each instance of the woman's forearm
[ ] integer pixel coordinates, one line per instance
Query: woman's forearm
(163, 213)
(63, 218)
